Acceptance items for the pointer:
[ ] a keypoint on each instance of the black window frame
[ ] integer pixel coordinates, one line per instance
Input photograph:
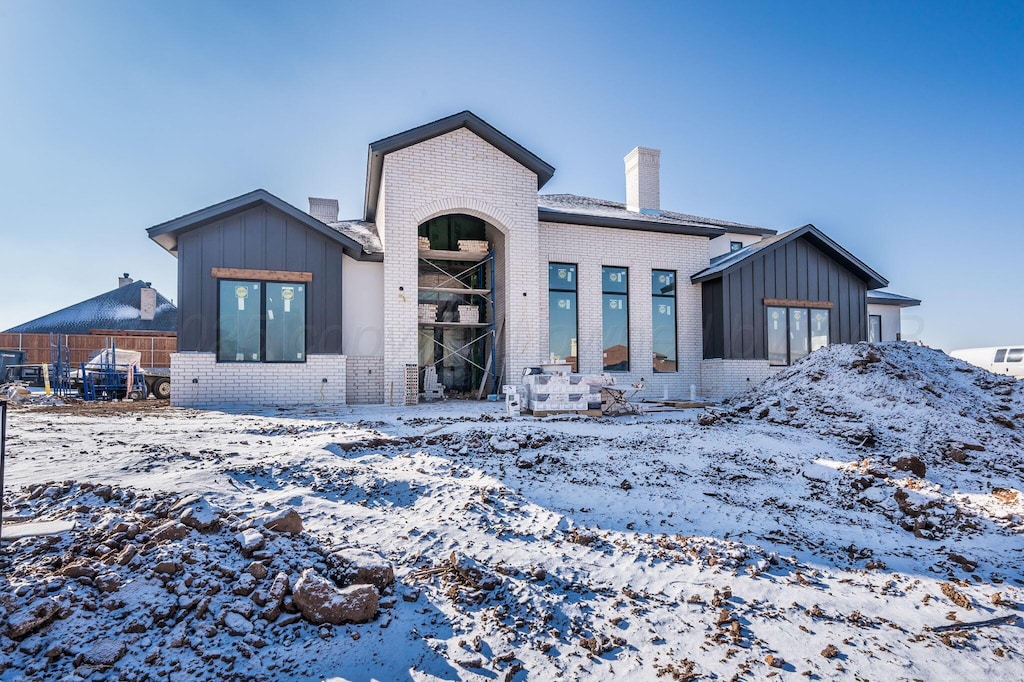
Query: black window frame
(879, 318)
(574, 290)
(675, 316)
(263, 322)
(625, 295)
(789, 350)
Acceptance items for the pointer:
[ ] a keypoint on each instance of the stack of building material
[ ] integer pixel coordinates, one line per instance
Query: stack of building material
(474, 246)
(427, 312)
(424, 243)
(560, 393)
(469, 314)
(432, 390)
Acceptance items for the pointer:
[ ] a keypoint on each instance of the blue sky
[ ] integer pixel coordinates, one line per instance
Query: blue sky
(897, 128)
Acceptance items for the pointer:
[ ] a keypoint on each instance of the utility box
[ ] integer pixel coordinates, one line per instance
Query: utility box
(9, 358)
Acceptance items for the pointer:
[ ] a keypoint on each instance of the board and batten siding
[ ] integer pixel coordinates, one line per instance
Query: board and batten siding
(734, 309)
(260, 238)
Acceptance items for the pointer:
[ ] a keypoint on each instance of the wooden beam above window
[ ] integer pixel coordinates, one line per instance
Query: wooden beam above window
(796, 303)
(266, 275)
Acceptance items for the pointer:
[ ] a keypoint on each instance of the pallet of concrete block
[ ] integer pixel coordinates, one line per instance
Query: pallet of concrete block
(427, 312)
(469, 314)
(475, 246)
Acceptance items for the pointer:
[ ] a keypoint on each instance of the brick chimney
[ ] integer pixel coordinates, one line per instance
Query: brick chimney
(147, 302)
(324, 210)
(643, 181)
(124, 280)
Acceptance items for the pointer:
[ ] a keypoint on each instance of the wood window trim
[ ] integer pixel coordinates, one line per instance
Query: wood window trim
(265, 275)
(796, 303)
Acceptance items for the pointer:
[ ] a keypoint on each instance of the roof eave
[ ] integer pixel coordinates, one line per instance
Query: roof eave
(870, 277)
(551, 216)
(166, 234)
(905, 302)
(464, 119)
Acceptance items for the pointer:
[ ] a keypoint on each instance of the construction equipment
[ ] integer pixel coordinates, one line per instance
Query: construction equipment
(105, 378)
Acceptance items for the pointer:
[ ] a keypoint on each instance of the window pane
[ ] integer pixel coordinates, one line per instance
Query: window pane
(286, 323)
(735, 246)
(777, 349)
(562, 327)
(613, 280)
(798, 334)
(562, 277)
(663, 283)
(1015, 355)
(1000, 355)
(239, 323)
(819, 328)
(615, 320)
(663, 320)
(874, 328)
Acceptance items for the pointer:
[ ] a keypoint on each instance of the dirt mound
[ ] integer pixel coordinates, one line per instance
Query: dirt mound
(159, 586)
(898, 398)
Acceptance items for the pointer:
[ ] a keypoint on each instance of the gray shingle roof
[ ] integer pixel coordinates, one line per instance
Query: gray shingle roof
(118, 309)
(364, 233)
(576, 205)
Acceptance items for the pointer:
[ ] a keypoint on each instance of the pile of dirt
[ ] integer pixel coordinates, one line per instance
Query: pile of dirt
(897, 398)
(155, 586)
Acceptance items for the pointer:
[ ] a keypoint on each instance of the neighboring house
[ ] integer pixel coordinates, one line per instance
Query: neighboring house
(885, 315)
(132, 306)
(459, 264)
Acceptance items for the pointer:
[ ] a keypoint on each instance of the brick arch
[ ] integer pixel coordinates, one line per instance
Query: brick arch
(474, 207)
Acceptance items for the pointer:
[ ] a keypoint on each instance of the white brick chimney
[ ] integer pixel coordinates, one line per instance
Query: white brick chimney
(124, 280)
(324, 210)
(147, 302)
(643, 180)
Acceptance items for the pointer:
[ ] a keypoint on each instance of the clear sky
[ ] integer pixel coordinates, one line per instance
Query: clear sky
(896, 127)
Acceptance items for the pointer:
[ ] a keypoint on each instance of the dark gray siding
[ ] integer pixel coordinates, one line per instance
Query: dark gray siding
(261, 238)
(734, 311)
(711, 293)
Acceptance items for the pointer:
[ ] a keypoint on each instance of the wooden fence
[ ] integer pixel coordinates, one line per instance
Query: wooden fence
(156, 347)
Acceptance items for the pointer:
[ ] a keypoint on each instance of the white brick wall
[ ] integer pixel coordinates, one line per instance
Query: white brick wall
(725, 378)
(456, 173)
(365, 383)
(197, 379)
(592, 247)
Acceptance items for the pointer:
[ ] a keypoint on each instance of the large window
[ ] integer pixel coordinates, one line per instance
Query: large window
(795, 332)
(663, 319)
(875, 328)
(261, 322)
(615, 318)
(563, 322)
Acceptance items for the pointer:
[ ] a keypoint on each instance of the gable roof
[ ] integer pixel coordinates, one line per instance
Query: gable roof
(889, 298)
(464, 119)
(733, 260)
(117, 309)
(577, 210)
(166, 234)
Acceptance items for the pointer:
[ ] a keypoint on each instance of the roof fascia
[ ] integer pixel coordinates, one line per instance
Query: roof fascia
(550, 216)
(166, 234)
(464, 119)
(820, 239)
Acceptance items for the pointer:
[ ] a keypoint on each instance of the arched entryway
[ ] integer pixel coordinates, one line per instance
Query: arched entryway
(457, 305)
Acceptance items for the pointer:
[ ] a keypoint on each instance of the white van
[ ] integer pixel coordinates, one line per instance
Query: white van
(997, 359)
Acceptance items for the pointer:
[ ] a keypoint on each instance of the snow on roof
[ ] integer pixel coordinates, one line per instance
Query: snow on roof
(579, 205)
(364, 233)
(116, 309)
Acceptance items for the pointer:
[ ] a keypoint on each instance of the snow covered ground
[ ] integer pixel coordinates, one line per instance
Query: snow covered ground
(831, 525)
